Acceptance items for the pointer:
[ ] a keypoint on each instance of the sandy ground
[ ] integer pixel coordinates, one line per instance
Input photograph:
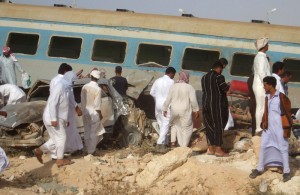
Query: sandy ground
(115, 172)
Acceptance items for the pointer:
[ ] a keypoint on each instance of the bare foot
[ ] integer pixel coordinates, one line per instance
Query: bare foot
(63, 162)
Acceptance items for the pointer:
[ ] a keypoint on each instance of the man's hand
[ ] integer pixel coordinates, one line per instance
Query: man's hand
(54, 123)
(78, 111)
(197, 114)
(165, 113)
(264, 126)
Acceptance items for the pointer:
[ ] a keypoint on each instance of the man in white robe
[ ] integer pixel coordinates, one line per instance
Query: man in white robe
(11, 94)
(182, 102)
(74, 142)
(55, 118)
(277, 71)
(159, 92)
(92, 116)
(261, 69)
(8, 65)
(4, 162)
(274, 149)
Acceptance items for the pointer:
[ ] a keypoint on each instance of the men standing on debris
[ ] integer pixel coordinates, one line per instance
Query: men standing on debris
(119, 82)
(92, 116)
(215, 108)
(274, 139)
(278, 70)
(55, 118)
(74, 142)
(261, 69)
(8, 65)
(11, 94)
(159, 92)
(181, 102)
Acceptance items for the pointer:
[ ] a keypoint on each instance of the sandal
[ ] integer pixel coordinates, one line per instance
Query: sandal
(209, 152)
(64, 163)
(222, 155)
(38, 156)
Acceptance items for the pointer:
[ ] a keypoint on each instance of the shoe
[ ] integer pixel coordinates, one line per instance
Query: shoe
(161, 148)
(38, 155)
(255, 173)
(286, 177)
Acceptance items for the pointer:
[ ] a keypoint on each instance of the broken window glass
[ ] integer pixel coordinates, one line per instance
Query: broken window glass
(293, 65)
(23, 43)
(153, 55)
(242, 64)
(109, 51)
(66, 47)
(199, 59)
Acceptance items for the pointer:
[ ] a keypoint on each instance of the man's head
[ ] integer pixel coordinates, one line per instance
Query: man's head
(6, 51)
(118, 70)
(63, 68)
(95, 75)
(217, 67)
(224, 62)
(170, 71)
(278, 68)
(269, 83)
(286, 76)
(262, 44)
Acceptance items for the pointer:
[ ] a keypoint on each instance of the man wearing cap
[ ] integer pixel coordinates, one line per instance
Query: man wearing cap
(92, 116)
(8, 64)
(119, 82)
(261, 69)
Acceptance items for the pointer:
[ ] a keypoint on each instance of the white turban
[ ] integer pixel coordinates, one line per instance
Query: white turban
(260, 43)
(70, 77)
(96, 74)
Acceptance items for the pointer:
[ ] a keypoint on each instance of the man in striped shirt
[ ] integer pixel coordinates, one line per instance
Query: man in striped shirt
(215, 108)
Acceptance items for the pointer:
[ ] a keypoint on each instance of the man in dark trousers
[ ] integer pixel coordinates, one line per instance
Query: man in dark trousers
(252, 103)
(215, 108)
(119, 82)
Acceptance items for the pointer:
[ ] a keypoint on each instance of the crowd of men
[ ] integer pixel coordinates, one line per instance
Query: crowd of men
(175, 104)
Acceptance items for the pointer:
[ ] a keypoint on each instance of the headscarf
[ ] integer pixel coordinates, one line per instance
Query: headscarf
(261, 42)
(69, 78)
(184, 77)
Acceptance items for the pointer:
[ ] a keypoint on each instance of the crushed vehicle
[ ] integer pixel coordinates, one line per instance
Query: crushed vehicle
(21, 124)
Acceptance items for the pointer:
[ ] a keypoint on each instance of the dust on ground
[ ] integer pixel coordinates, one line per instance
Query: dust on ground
(136, 170)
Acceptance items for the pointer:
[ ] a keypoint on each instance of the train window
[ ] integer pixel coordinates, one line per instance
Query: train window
(199, 59)
(242, 64)
(153, 55)
(293, 65)
(23, 43)
(109, 51)
(66, 47)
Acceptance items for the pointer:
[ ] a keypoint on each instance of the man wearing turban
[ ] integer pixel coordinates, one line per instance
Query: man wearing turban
(8, 64)
(261, 69)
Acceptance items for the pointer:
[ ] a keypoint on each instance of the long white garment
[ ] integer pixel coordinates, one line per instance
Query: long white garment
(230, 122)
(261, 69)
(4, 162)
(274, 147)
(74, 141)
(8, 69)
(91, 103)
(279, 86)
(56, 110)
(12, 93)
(298, 115)
(182, 102)
(159, 92)
(54, 81)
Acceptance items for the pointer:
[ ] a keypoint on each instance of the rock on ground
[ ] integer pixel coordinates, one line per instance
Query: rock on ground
(160, 166)
(291, 187)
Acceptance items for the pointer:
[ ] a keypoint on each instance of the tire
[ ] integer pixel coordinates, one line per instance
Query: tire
(131, 136)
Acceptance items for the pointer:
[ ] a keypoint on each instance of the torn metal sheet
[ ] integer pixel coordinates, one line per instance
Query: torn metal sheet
(138, 82)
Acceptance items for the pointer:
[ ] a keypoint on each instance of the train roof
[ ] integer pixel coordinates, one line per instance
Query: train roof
(151, 21)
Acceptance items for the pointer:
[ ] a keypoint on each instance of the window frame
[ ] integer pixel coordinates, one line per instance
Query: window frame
(232, 63)
(38, 43)
(54, 35)
(198, 48)
(150, 43)
(112, 40)
(291, 58)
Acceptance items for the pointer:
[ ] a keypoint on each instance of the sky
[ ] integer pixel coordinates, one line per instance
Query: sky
(287, 11)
